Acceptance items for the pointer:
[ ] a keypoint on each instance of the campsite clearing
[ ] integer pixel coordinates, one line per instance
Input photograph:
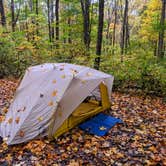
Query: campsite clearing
(140, 141)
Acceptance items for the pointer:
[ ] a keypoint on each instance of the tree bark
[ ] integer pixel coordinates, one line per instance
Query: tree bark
(2, 12)
(69, 32)
(37, 13)
(114, 28)
(52, 19)
(13, 15)
(85, 5)
(99, 34)
(57, 19)
(161, 32)
(49, 22)
(124, 31)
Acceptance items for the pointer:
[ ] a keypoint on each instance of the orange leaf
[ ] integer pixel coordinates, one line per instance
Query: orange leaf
(2, 118)
(50, 103)
(21, 133)
(17, 120)
(54, 93)
(5, 110)
(54, 81)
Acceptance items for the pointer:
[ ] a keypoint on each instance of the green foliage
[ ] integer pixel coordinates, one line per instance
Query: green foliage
(139, 71)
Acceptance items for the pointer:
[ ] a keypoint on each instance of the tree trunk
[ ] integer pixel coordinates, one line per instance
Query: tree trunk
(37, 13)
(49, 22)
(69, 32)
(52, 19)
(57, 19)
(2, 12)
(114, 28)
(13, 15)
(99, 34)
(161, 32)
(124, 30)
(85, 5)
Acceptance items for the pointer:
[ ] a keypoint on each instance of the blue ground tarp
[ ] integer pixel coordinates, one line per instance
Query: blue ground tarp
(100, 124)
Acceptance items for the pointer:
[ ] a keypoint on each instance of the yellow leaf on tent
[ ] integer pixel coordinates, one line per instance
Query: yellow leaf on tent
(2, 118)
(89, 74)
(54, 81)
(51, 103)
(40, 118)
(54, 93)
(21, 133)
(17, 120)
(63, 76)
(10, 120)
(5, 110)
(83, 81)
(102, 128)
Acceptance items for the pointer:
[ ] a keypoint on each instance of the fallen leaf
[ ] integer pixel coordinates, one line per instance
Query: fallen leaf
(17, 120)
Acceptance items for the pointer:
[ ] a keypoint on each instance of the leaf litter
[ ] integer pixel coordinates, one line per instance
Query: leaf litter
(141, 140)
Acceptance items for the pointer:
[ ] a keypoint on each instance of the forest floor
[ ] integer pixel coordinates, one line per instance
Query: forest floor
(139, 141)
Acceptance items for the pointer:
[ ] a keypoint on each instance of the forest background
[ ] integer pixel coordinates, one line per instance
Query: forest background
(122, 37)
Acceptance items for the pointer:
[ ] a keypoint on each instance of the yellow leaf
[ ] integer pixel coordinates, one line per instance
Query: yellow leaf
(102, 128)
(83, 81)
(54, 93)
(63, 76)
(40, 118)
(10, 120)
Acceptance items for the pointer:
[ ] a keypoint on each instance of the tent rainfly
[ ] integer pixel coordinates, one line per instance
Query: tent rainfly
(43, 89)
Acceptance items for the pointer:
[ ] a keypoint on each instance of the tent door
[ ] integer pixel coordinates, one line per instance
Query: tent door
(85, 111)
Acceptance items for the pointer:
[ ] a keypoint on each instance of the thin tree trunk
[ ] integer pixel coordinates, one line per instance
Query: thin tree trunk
(31, 5)
(37, 13)
(49, 22)
(85, 5)
(114, 28)
(161, 32)
(99, 34)
(69, 32)
(13, 15)
(123, 43)
(155, 48)
(126, 29)
(2, 12)
(52, 19)
(57, 19)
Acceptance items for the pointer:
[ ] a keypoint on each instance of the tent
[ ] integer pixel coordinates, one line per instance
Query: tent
(47, 96)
